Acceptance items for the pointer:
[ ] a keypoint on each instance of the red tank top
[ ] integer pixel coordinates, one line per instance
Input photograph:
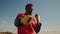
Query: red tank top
(26, 29)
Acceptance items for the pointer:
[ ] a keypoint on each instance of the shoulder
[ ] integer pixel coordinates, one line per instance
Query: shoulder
(20, 15)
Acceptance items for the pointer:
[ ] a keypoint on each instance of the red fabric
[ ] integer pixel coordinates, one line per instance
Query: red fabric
(26, 29)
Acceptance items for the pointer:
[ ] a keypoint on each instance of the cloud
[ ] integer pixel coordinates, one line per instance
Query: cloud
(2, 21)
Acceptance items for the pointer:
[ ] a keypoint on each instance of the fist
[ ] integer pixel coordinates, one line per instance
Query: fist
(26, 19)
(37, 18)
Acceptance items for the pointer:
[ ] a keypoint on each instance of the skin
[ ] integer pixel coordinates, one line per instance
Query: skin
(29, 10)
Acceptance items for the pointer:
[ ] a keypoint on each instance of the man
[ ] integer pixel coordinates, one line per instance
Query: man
(32, 28)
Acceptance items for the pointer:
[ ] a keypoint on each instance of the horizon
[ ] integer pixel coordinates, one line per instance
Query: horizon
(49, 10)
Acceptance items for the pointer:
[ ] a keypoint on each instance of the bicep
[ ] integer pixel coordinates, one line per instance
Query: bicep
(17, 22)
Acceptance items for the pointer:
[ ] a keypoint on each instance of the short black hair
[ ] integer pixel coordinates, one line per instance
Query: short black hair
(28, 5)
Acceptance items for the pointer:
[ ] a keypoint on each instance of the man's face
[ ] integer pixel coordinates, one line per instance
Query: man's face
(30, 9)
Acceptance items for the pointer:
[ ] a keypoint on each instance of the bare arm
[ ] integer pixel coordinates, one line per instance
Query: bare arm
(38, 27)
(17, 22)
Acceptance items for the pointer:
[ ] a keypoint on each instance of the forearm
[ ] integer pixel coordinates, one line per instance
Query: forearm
(38, 27)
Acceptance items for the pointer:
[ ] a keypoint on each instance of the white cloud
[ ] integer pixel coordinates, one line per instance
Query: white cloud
(2, 21)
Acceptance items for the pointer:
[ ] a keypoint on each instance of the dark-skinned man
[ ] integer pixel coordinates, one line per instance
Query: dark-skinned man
(31, 28)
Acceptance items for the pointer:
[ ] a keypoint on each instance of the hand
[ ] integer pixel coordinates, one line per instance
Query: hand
(37, 18)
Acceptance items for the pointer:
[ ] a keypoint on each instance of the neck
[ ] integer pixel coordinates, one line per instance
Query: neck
(27, 13)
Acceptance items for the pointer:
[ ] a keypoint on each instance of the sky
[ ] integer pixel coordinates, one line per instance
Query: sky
(49, 10)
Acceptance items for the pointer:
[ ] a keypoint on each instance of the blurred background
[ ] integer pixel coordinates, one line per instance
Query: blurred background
(49, 10)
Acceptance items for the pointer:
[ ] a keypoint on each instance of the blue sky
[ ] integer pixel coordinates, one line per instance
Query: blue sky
(49, 11)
